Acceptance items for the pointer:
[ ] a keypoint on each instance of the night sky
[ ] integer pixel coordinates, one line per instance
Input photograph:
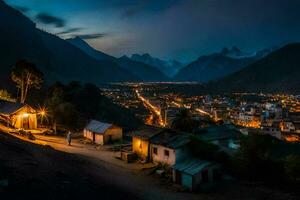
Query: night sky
(169, 29)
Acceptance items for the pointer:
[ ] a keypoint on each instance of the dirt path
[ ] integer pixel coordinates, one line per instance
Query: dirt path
(122, 175)
(81, 171)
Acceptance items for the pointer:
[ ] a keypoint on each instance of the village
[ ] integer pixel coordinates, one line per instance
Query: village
(148, 147)
(190, 153)
(271, 114)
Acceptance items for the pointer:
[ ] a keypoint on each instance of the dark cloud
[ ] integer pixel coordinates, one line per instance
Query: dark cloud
(132, 11)
(137, 7)
(69, 30)
(49, 19)
(22, 9)
(91, 36)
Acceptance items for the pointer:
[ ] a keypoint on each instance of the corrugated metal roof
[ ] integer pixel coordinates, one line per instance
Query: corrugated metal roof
(191, 166)
(8, 108)
(146, 132)
(98, 127)
(171, 138)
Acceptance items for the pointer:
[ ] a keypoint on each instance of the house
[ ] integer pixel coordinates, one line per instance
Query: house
(192, 173)
(141, 140)
(297, 127)
(225, 136)
(102, 133)
(272, 128)
(287, 126)
(17, 115)
(169, 147)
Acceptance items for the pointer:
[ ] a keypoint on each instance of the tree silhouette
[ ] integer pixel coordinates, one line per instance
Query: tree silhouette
(184, 121)
(26, 76)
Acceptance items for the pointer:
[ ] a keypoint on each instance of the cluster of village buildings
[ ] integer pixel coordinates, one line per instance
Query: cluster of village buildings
(171, 147)
(275, 119)
(148, 144)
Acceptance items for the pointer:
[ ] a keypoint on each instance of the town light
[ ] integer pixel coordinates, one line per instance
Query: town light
(42, 111)
(25, 114)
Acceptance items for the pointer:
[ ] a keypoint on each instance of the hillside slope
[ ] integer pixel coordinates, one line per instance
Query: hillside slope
(141, 70)
(211, 67)
(20, 39)
(169, 68)
(33, 171)
(277, 72)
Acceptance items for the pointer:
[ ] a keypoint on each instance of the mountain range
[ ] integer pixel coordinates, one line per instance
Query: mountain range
(20, 39)
(169, 68)
(218, 65)
(277, 72)
(141, 70)
(66, 60)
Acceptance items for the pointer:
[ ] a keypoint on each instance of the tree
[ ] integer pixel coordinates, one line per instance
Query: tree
(26, 76)
(254, 161)
(56, 97)
(184, 121)
(292, 167)
(4, 95)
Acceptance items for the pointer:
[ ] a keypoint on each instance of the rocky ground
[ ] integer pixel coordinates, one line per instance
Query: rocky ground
(29, 171)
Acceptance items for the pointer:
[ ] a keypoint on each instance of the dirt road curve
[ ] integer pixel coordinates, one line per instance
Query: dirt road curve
(107, 167)
(61, 172)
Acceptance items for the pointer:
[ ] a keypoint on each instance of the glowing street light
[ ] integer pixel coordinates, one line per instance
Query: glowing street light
(42, 111)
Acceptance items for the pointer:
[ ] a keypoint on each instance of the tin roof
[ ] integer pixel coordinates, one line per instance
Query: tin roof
(98, 127)
(7, 107)
(192, 165)
(171, 138)
(146, 132)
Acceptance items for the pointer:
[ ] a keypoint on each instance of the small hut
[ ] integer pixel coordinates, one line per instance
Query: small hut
(102, 133)
(141, 140)
(18, 115)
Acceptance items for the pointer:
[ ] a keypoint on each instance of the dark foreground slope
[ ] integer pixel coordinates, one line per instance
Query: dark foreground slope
(277, 72)
(39, 172)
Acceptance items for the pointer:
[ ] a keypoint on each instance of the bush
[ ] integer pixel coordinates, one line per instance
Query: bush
(292, 167)
(203, 150)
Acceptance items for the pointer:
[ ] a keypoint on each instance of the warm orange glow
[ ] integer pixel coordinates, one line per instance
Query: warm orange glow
(154, 109)
(42, 111)
(25, 114)
(252, 124)
(203, 112)
(292, 138)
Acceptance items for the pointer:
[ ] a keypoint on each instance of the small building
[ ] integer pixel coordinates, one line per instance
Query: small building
(287, 126)
(297, 126)
(169, 147)
(225, 136)
(141, 140)
(102, 133)
(272, 128)
(193, 173)
(17, 115)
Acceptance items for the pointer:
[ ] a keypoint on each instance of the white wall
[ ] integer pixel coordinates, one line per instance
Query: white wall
(161, 157)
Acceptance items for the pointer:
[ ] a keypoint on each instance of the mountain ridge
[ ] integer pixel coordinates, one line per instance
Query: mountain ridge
(141, 70)
(277, 72)
(218, 65)
(61, 61)
(169, 68)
